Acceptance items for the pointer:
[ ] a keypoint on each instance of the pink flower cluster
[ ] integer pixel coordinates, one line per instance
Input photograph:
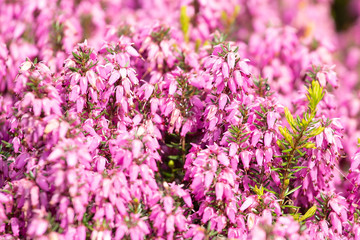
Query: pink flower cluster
(176, 120)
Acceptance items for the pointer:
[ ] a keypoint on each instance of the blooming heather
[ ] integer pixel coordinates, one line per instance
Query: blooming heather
(179, 120)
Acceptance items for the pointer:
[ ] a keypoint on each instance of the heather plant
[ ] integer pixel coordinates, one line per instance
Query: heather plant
(178, 120)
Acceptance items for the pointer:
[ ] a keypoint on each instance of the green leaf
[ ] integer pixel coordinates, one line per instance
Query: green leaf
(290, 206)
(316, 131)
(270, 191)
(76, 56)
(285, 132)
(287, 150)
(209, 226)
(244, 139)
(300, 152)
(309, 213)
(293, 190)
(74, 69)
(212, 233)
(259, 113)
(174, 157)
(290, 119)
(308, 145)
(298, 169)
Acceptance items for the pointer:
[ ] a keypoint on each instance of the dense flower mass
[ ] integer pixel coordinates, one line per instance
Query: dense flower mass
(183, 119)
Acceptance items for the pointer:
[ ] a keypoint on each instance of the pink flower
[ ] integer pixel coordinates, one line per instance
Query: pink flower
(148, 91)
(220, 223)
(231, 60)
(208, 214)
(223, 159)
(209, 176)
(212, 110)
(16, 144)
(129, 49)
(259, 156)
(255, 138)
(15, 226)
(170, 224)
(251, 221)
(114, 77)
(174, 116)
(71, 159)
(336, 223)
(222, 101)
(267, 139)
(28, 99)
(248, 202)
(168, 204)
(136, 148)
(271, 119)
(180, 222)
(245, 157)
(100, 164)
(37, 227)
(321, 78)
(109, 212)
(91, 78)
(219, 190)
(83, 85)
(225, 70)
(37, 107)
(230, 212)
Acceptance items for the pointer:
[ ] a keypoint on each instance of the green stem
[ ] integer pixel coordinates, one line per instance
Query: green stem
(183, 149)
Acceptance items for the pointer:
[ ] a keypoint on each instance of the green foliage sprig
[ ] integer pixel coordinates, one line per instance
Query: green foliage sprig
(297, 139)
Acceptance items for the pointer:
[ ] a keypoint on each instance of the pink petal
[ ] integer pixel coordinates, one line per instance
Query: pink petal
(245, 157)
(248, 202)
(270, 120)
(37, 104)
(223, 159)
(259, 156)
(148, 91)
(114, 77)
(209, 176)
(41, 227)
(91, 78)
(225, 70)
(16, 144)
(219, 190)
(222, 101)
(168, 204)
(100, 164)
(267, 139)
(136, 148)
(208, 213)
(83, 85)
(109, 212)
(71, 159)
(231, 60)
(28, 99)
(170, 224)
(46, 106)
(15, 226)
(132, 51)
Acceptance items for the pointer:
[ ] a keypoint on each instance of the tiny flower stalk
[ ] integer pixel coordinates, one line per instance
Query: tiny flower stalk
(298, 138)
